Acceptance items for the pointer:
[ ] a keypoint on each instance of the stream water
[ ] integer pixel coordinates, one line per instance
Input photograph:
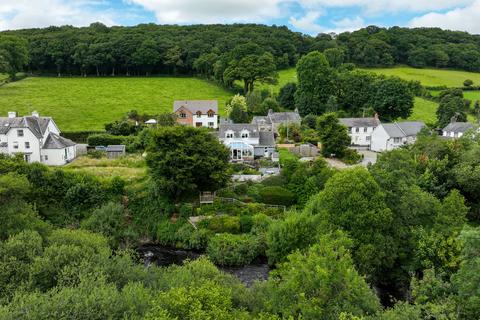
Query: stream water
(164, 256)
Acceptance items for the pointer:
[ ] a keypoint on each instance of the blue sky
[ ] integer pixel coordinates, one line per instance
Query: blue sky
(307, 16)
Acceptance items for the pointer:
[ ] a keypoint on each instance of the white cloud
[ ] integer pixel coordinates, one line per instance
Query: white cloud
(347, 24)
(212, 11)
(464, 19)
(308, 23)
(17, 14)
(382, 6)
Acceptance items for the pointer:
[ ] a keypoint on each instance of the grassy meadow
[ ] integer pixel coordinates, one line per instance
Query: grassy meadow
(430, 77)
(79, 104)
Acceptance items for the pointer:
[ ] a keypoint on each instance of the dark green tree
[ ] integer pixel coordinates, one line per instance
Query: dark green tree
(393, 99)
(315, 83)
(13, 55)
(286, 96)
(184, 160)
(333, 135)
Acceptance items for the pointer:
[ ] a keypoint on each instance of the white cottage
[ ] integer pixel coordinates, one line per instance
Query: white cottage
(246, 141)
(389, 136)
(456, 129)
(360, 129)
(36, 138)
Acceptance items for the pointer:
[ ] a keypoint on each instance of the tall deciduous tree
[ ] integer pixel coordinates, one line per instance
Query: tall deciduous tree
(286, 96)
(315, 83)
(13, 55)
(183, 160)
(393, 99)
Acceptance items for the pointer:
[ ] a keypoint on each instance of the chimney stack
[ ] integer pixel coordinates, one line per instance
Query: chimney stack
(35, 114)
(12, 114)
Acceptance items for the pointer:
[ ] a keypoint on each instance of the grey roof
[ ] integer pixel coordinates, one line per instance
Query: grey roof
(359, 122)
(37, 125)
(458, 127)
(403, 129)
(267, 139)
(280, 117)
(116, 148)
(54, 141)
(237, 128)
(196, 105)
(261, 120)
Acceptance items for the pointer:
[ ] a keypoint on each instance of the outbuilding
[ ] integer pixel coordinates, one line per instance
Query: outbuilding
(115, 151)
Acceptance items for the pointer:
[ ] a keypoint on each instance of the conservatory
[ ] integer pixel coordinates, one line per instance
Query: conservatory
(241, 151)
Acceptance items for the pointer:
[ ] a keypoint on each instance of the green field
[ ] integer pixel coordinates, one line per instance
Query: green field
(431, 77)
(424, 110)
(79, 104)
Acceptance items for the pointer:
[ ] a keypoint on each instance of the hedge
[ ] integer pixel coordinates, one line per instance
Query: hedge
(105, 140)
(80, 136)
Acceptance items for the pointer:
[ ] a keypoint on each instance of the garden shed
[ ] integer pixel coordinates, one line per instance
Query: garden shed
(115, 151)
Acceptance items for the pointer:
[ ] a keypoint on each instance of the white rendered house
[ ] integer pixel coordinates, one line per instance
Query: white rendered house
(389, 136)
(360, 130)
(456, 129)
(246, 141)
(36, 138)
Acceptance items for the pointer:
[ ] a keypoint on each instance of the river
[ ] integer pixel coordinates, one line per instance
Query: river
(164, 257)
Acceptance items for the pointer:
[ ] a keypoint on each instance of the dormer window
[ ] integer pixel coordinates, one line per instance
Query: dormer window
(199, 114)
(20, 133)
(183, 115)
(210, 113)
(245, 134)
(229, 134)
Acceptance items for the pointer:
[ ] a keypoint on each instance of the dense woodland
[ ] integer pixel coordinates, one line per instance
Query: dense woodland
(209, 49)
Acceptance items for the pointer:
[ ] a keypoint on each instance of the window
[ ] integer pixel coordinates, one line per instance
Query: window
(45, 158)
(199, 114)
(229, 134)
(365, 129)
(27, 145)
(357, 130)
(198, 124)
(183, 115)
(368, 138)
(350, 129)
(244, 135)
(15, 145)
(211, 114)
(397, 140)
(19, 133)
(210, 124)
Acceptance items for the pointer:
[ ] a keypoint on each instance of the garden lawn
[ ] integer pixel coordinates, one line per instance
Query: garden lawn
(431, 77)
(85, 104)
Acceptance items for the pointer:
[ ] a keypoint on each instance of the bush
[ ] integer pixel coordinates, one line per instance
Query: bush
(246, 223)
(167, 232)
(351, 157)
(80, 136)
(222, 224)
(105, 140)
(233, 250)
(274, 181)
(186, 210)
(277, 196)
(189, 238)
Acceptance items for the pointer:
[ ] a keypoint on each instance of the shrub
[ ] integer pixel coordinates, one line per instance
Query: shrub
(277, 195)
(246, 223)
(233, 250)
(167, 232)
(96, 154)
(221, 224)
(274, 181)
(351, 157)
(189, 238)
(186, 210)
(105, 140)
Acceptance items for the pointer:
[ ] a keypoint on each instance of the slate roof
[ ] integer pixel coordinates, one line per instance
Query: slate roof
(37, 125)
(280, 117)
(261, 120)
(196, 105)
(359, 122)
(267, 139)
(237, 129)
(403, 129)
(458, 127)
(54, 141)
(116, 148)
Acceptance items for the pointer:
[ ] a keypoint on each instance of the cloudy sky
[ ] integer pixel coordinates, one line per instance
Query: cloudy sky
(308, 16)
